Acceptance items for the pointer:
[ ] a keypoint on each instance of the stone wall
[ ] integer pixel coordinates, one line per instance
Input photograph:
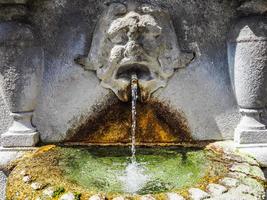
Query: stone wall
(2, 185)
(202, 90)
(4, 116)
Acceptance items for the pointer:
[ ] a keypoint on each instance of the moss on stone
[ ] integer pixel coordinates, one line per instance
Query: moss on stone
(89, 171)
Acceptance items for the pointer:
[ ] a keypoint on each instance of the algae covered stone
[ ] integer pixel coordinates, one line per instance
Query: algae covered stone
(96, 172)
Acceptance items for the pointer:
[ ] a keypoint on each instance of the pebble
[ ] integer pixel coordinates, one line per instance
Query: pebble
(67, 196)
(118, 198)
(49, 192)
(147, 197)
(174, 196)
(23, 173)
(216, 189)
(26, 179)
(36, 186)
(97, 197)
(198, 194)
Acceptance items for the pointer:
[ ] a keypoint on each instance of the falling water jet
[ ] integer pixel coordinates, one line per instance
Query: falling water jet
(134, 92)
(134, 177)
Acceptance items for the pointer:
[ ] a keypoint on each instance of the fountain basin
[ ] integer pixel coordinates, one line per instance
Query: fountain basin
(185, 172)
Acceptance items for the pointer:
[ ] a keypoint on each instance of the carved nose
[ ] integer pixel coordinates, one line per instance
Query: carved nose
(133, 49)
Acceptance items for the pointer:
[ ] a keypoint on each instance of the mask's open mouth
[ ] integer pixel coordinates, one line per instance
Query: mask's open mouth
(142, 72)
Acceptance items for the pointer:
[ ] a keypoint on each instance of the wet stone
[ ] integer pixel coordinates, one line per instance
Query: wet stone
(67, 196)
(147, 197)
(97, 197)
(229, 182)
(174, 196)
(49, 192)
(234, 196)
(216, 189)
(252, 190)
(198, 194)
(36, 186)
(233, 185)
(248, 170)
(26, 179)
(236, 175)
(23, 173)
(119, 198)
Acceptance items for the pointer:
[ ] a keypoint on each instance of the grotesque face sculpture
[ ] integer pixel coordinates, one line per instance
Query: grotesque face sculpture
(134, 39)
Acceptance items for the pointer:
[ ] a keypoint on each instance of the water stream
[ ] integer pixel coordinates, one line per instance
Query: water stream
(134, 177)
(134, 92)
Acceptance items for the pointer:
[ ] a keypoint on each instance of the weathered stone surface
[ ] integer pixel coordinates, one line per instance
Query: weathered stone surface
(37, 186)
(253, 7)
(2, 185)
(198, 194)
(10, 139)
(67, 196)
(119, 198)
(27, 179)
(247, 56)
(230, 182)
(258, 151)
(147, 197)
(248, 170)
(174, 196)
(49, 192)
(139, 39)
(97, 197)
(21, 69)
(216, 189)
(13, 1)
(242, 179)
(199, 26)
(7, 157)
(62, 75)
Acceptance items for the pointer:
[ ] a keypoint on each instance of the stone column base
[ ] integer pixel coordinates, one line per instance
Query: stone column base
(21, 133)
(253, 142)
(19, 139)
(251, 135)
(246, 136)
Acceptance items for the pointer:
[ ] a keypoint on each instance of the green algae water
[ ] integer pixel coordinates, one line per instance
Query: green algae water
(102, 169)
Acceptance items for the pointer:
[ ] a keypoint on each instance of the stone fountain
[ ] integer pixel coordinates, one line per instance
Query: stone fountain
(198, 124)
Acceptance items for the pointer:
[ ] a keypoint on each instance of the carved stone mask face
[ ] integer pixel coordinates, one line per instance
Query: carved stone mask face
(134, 39)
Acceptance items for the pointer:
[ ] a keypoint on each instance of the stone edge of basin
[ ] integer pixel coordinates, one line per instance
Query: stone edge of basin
(238, 182)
